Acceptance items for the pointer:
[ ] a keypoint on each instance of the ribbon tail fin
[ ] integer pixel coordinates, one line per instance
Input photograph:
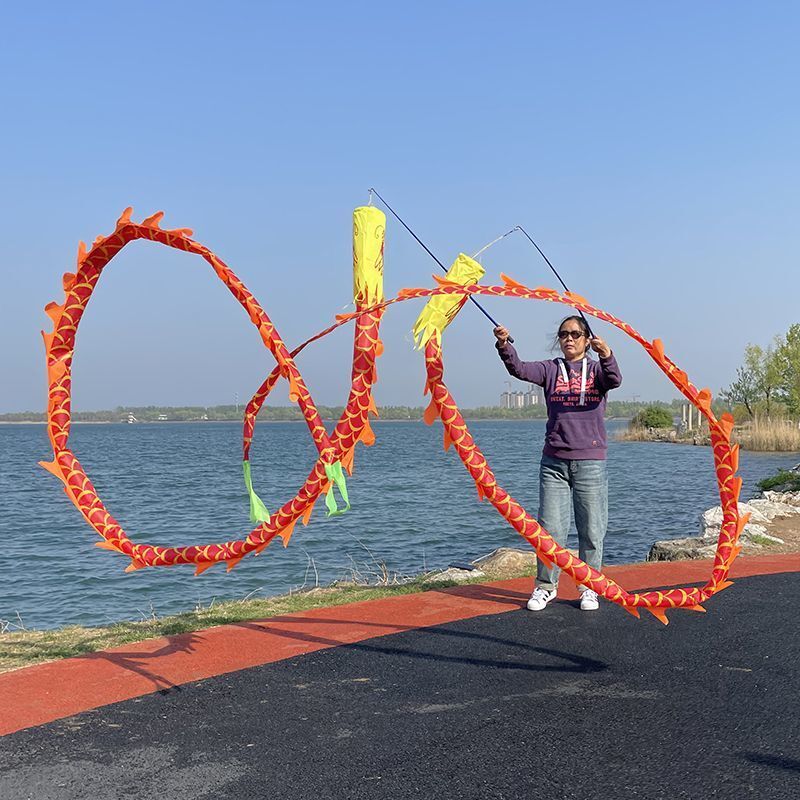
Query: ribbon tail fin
(258, 511)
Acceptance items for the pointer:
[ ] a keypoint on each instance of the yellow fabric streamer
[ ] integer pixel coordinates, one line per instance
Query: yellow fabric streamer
(441, 310)
(369, 230)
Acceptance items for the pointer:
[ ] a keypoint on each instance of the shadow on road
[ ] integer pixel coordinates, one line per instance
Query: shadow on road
(135, 662)
(572, 661)
(791, 764)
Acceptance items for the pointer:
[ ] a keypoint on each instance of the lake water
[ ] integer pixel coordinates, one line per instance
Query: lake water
(414, 508)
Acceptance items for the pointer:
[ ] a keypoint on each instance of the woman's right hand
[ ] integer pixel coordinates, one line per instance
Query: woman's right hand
(502, 334)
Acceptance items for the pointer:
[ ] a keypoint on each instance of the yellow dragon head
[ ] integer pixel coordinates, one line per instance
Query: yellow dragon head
(369, 231)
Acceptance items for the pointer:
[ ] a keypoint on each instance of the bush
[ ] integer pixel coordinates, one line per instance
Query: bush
(784, 481)
(653, 417)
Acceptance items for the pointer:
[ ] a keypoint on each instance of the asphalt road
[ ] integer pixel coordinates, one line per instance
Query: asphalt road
(560, 704)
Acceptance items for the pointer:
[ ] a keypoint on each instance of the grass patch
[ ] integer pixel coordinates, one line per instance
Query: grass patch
(784, 481)
(23, 648)
(777, 435)
(764, 541)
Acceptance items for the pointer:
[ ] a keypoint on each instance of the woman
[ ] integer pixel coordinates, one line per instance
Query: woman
(573, 463)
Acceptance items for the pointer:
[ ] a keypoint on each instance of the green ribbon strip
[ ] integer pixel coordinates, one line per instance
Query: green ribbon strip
(258, 511)
(335, 475)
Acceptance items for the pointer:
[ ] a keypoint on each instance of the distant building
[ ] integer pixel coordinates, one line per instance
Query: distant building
(162, 417)
(533, 397)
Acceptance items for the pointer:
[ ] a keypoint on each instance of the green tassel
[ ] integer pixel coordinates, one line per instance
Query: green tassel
(258, 511)
(335, 475)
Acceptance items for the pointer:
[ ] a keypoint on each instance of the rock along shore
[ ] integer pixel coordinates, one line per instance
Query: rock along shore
(774, 527)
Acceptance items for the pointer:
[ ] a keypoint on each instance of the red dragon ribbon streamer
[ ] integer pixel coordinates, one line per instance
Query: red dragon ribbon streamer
(335, 451)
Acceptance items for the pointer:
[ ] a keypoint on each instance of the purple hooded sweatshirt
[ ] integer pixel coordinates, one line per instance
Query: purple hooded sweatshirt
(575, 422)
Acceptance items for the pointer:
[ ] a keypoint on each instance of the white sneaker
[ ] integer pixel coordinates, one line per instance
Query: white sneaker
(540, 598)
(589, 601)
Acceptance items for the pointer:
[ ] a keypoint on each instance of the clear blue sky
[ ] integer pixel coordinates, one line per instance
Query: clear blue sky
(652, 149)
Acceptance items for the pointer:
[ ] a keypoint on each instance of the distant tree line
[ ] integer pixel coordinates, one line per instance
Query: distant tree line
(614, 408)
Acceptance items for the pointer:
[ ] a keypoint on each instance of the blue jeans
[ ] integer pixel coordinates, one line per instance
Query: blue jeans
(585, 483)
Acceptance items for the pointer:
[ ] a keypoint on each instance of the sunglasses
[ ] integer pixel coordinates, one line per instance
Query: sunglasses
(570, 334)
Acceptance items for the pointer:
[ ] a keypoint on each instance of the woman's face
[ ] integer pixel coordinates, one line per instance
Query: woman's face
(572, 340)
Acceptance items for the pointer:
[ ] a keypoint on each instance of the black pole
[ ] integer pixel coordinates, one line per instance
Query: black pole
(555, 272)
(424, 247)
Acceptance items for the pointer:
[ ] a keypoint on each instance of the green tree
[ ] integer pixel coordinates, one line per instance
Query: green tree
(765, 370)
(743, 391)
(787, 363)
(769, 379)
(653, 417)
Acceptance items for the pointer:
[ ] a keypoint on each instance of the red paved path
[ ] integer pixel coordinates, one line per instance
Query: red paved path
(46, 692)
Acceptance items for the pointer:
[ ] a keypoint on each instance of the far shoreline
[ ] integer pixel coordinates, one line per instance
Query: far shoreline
(376, 420)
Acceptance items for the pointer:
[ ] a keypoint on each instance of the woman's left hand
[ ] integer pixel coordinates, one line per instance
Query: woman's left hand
(600, 347)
